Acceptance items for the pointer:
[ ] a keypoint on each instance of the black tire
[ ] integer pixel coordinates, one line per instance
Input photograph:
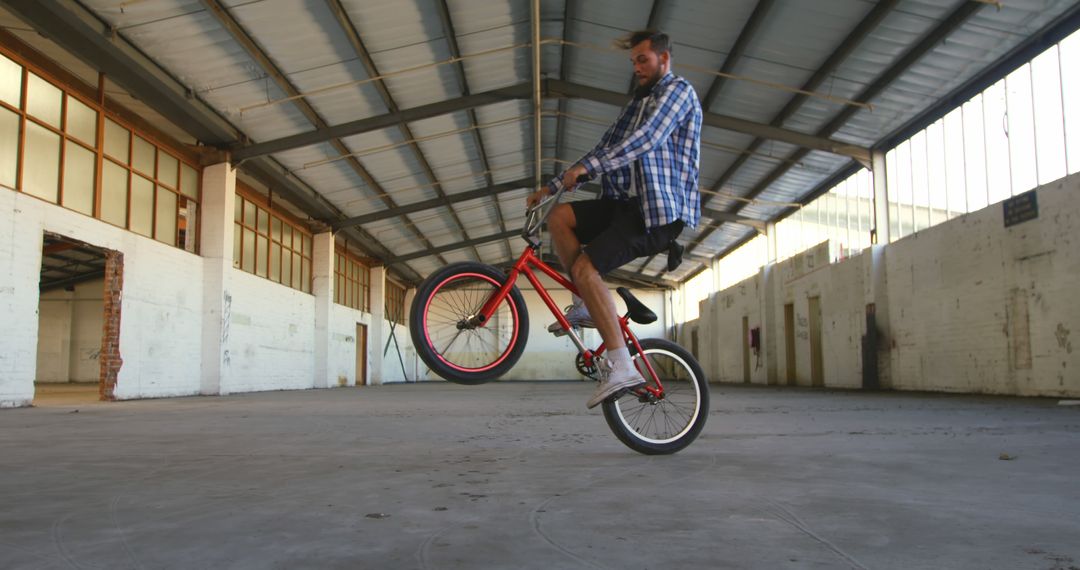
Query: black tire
(467, 355)
(661, 427)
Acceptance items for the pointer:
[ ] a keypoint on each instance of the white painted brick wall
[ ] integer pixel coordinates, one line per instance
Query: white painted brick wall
(958, 290)
(161, 320)
(972, 307)
(343, 342)
(271, 336)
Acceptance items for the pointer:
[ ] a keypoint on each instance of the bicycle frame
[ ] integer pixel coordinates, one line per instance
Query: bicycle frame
(526, 263)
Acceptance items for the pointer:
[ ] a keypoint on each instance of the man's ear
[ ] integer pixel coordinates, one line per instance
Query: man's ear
(665, 58)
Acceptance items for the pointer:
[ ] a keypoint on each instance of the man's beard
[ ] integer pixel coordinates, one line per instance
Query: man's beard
(643, 90)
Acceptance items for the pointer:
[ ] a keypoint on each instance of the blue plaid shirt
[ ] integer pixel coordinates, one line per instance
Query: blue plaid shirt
(667, 144)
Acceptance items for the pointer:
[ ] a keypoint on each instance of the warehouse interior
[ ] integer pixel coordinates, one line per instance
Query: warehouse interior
(216, 215)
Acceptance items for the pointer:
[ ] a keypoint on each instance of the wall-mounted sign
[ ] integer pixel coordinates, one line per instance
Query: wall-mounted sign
(1020, 208)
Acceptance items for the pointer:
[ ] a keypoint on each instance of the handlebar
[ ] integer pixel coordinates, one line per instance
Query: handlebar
(534, 219)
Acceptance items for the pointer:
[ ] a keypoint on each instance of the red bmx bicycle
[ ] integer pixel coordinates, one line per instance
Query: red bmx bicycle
(469, 324)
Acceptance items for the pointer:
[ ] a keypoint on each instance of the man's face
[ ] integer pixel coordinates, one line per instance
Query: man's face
(648, 66)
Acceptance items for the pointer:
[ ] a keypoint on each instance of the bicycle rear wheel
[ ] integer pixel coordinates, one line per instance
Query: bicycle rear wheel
(658, 426)
(440, 329)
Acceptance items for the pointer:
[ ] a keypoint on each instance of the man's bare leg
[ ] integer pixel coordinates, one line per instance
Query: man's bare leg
(598, 300)
(561, 225)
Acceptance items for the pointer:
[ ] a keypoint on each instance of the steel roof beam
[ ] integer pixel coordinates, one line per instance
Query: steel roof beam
(901, 65)
(378, 122)
(459, 71)
(83, 34)
(868, 24)
(486, 192)
(562, 88)
(553, 88)
(241, 36)
(384, 92)
(451, 247)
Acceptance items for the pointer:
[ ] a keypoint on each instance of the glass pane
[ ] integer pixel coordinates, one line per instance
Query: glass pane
(296, 263)
(41, 162)
(307, 245)
(9, 146)
(117, 140)
(188, 224)
(10, 82)
(920, 182)
(114, 191)
(81, 121)
(286, 268)
(249, 214)
(165, 227)
(237, 232)
(1049, 126)
(1070, 97)
(264, 217)
(43, 100)
(79, 168)
(998, 173)
(249, 251)
(936, 174)
(261, 255)
(275, 262)
(1021, 130)
(956, 184)
(275, 229)
(238, 216)
(142, 206)
(142, 156)
(286, 235)
(189, 181)
(975, 154)
(306, 276)
(168, 168)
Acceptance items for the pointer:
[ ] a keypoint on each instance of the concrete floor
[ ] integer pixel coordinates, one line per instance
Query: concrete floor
(521, 475)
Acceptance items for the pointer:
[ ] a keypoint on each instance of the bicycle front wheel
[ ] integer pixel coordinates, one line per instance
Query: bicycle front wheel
(658, 426)
(443, 336)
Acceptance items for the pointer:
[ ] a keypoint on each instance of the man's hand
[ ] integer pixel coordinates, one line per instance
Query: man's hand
(569, 178)
(537, 196)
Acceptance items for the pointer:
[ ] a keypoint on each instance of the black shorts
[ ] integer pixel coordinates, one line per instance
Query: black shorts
(614, 233)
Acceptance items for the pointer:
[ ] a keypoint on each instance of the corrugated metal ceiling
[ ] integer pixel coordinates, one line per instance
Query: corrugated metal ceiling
(312, 50)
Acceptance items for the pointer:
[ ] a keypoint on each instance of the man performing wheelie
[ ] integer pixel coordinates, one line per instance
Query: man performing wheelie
(649, 165)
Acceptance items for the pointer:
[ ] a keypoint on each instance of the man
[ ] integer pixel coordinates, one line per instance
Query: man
(649, 163)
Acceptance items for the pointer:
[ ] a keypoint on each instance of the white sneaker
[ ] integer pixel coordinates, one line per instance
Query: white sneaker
(617, 377)
(577, 314)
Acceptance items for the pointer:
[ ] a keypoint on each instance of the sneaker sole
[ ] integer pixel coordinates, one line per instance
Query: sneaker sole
(559, 331)
(617, 393)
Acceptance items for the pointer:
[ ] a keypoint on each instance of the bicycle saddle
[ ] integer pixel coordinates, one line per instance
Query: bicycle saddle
(639, 313)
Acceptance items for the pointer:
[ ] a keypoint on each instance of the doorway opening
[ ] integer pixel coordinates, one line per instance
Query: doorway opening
(361, 355)
(78, 322)
(789, 343)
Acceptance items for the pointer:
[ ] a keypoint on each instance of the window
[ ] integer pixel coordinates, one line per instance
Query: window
(270, 244)
(1020, 132)
(49, 149)
(352, 281)
(395, 302)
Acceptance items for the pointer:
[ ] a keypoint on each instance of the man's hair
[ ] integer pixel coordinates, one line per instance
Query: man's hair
(660, 42)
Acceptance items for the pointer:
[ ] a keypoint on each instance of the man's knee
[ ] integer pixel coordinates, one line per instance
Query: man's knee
(562, 216)
(583, 268)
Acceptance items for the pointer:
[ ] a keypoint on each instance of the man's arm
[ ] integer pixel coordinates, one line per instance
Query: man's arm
(559, 180)
(672, 106)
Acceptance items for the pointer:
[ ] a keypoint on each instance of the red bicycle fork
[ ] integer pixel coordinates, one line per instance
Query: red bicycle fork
(524, 265)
